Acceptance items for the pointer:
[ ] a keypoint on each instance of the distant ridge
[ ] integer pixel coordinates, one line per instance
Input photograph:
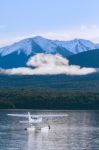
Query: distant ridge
(86, 59)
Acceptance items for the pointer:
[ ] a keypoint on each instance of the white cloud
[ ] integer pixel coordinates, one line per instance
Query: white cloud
(42, 59)
(48, 64)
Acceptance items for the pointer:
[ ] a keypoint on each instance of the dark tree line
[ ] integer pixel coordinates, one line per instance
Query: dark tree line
(42, 98)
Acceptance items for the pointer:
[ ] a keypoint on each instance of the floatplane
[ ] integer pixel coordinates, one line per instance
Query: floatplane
(34, 121)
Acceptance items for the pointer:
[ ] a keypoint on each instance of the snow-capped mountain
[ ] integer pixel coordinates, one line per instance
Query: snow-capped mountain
(77, 45)
(39, 44)
(74, 46)
(27, 46)
(17, 54)
(32, 46)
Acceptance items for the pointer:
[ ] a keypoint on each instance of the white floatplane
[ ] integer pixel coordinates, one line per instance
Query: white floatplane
(35, 120)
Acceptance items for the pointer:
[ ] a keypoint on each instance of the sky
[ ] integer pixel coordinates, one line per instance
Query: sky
(54, 19)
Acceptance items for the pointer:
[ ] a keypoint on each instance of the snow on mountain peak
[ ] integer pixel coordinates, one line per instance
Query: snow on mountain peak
(23, 45)
(45, 44)
(39, 44)
(77, 45)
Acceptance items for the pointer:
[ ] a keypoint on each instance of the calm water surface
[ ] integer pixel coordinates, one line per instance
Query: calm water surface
(78, 131)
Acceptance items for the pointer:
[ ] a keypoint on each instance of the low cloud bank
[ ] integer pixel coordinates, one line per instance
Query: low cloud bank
(48, 64)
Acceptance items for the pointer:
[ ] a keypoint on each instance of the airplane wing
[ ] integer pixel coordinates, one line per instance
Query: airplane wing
(18, 115)
(51, 115)
(43, 115)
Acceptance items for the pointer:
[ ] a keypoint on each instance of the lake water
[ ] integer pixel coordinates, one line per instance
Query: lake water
(78, 131)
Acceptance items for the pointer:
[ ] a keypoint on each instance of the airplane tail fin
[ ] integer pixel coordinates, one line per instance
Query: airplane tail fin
(29, 117)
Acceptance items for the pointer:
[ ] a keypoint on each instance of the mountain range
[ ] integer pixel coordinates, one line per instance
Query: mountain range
(78, 51)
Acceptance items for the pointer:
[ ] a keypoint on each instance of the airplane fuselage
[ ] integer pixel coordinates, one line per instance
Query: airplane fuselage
(35, 120)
